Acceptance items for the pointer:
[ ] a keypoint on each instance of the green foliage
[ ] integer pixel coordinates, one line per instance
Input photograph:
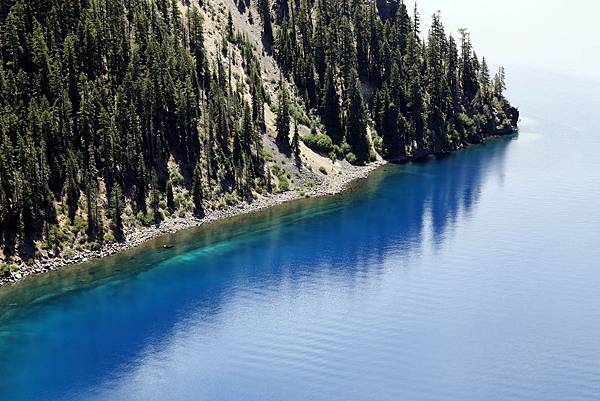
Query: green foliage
(264, 10)
(109, 237)
(117, 203)
(420, 83)
(356, 126)
(283, 118)
(323, 170)
(284, 184)
(299, 115)
(320, 142)
(79, 225)
(170, 197)
(94, 108)
(197, 192)
(6, 269)
(55, 238)
(92, 246)
(69, 254)
(146, 219)
(295, 145)
(266, 155)
(282, 177)
(119, 105)
(175, 177)
(351, 158)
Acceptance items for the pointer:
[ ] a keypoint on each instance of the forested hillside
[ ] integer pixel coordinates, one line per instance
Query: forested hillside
(117, 113)
(356, 62)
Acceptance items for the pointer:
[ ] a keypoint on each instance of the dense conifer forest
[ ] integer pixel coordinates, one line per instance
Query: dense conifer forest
(113, 113)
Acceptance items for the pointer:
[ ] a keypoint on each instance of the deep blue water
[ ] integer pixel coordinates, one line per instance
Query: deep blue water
(475, 277)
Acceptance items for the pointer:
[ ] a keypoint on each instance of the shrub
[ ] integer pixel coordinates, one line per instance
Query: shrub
(351, 157)
(79, 225)
(231, 199)
(55, 238)
(68, 254)
(377, 143)
(465, 120)
(372, 155)
(175, 176)
(284, 184)
(92, 246)
(276, 170)
(344, 149)
(319, 142)
(299, 115)
(146, 219)
(266, 155)
(109, 237)
(323, 170)
(6, 268)
(179, 199)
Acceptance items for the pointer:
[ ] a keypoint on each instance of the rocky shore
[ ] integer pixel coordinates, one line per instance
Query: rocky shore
(330, 185)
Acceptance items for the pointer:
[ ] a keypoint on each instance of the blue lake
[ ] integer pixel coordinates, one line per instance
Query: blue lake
(475, 277)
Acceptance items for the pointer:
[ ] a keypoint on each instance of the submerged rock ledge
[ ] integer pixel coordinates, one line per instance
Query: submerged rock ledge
(330, 185)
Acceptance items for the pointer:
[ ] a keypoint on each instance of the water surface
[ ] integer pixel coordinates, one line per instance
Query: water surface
(474, 277)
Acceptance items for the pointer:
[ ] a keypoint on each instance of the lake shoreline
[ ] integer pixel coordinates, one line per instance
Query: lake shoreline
(330, 185)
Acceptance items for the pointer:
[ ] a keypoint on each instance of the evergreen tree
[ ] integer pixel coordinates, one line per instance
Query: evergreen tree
(392, 127)
(264, 9)
(141, 184)
(117, 206)
(230, 29)
(468, 73)
(196, 44)
(155, 197)
(170, 197)
(296, 143)
(500, 83)
(331, 108)
(100, 100)
(283, 118)
(485, 81)
(72, 189)
(197, 193)
(438, 86)
(356, 126)
(94, 224)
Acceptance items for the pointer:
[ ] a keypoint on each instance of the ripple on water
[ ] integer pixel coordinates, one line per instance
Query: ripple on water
(474, 277)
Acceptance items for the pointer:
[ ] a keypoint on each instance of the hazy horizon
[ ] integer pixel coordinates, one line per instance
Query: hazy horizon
(531, 37)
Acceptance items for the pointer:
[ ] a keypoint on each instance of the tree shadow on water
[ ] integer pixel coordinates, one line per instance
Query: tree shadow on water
(116, 310)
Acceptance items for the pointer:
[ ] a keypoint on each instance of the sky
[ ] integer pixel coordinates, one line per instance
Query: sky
(549, 35)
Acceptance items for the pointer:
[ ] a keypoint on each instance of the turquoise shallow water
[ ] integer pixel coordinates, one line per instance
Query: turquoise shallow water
(470, 278)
